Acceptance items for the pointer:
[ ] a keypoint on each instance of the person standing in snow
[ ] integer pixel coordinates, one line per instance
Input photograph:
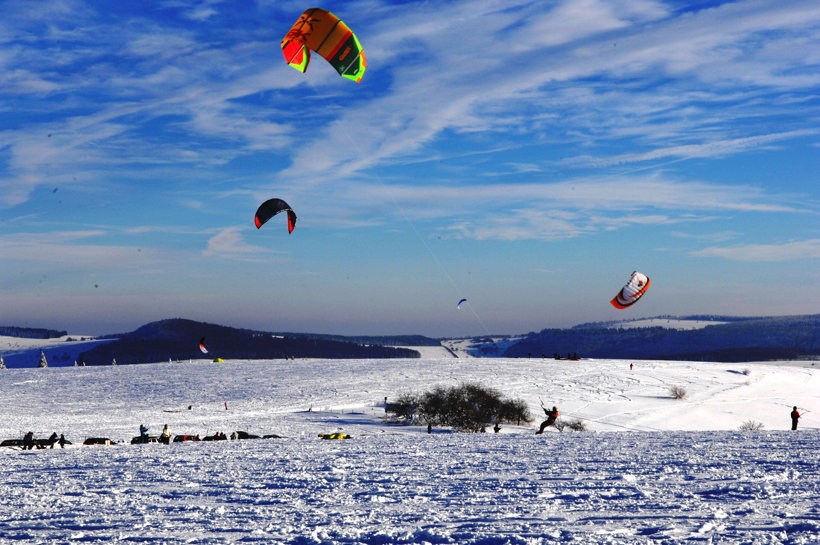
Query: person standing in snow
(795, 417)
(552, 416)
(166, 435)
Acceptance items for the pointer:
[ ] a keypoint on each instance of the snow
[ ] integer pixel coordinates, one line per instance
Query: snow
(432, 352)
(668, 323)
(458, 348)
(479, 347)
(19, 344)
(60, 351)
(650, 469)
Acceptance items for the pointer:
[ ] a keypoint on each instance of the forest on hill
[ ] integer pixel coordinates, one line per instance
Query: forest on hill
(735, 340)
(177, 339)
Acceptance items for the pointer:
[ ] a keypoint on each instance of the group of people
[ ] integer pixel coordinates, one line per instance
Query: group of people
(164, 437)
(29, 442)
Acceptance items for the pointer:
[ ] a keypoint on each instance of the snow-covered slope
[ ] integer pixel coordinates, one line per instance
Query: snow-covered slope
(668, 323)
(649, 481)
(60, 351)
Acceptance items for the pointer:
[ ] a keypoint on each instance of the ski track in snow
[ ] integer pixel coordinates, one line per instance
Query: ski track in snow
(677, 471)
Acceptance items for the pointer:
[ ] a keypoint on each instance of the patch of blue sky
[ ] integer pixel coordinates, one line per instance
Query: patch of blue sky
(636, 135)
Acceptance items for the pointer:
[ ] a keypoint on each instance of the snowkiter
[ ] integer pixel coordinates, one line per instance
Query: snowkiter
(795, 417)
(552, 416)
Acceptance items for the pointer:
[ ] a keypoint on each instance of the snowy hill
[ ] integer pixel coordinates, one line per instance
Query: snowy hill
(733, 340)
(650, 469)
(684, 324)
(60, 351)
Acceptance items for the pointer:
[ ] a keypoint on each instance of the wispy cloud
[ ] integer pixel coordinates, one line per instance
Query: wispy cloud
(165, 125)
(229, 243)
(721, 236)
(674, 57)
(515, 211)
(198, 86)
(716, 148)
(75, 250)
(788, 251)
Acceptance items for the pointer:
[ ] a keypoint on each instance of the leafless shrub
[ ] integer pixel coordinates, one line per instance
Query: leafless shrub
(751, 425)
(678, 392)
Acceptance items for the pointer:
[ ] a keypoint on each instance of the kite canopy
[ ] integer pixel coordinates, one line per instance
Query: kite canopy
(202, 345)
(634, 290)
(459, 303)
(325, 34)
(270, 208)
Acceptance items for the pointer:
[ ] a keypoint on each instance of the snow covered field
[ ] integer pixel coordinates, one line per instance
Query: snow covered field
(651, 469)
(668, 323)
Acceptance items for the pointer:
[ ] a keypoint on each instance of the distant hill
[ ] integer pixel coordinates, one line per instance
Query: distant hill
(178, 338)
(31, 332)
(728, 340)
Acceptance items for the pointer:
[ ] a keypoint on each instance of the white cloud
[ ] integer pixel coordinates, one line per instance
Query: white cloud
(788, 251)
(230, 243)
(516, 211)
(716, 148)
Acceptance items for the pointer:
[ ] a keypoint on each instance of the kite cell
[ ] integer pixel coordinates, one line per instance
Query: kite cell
(270, 208)
(634, 290)
(324, 33)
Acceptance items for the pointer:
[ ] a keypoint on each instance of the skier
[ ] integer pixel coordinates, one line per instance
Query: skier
(795, 417)
(552, 416)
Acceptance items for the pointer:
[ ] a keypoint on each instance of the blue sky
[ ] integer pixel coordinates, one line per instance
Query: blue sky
(526, 155)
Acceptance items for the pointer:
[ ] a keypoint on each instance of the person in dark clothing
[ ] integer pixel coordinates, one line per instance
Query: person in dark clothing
(28, 441)
(53, 439)
(62, 441)
(552, 416)
(795, 417)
